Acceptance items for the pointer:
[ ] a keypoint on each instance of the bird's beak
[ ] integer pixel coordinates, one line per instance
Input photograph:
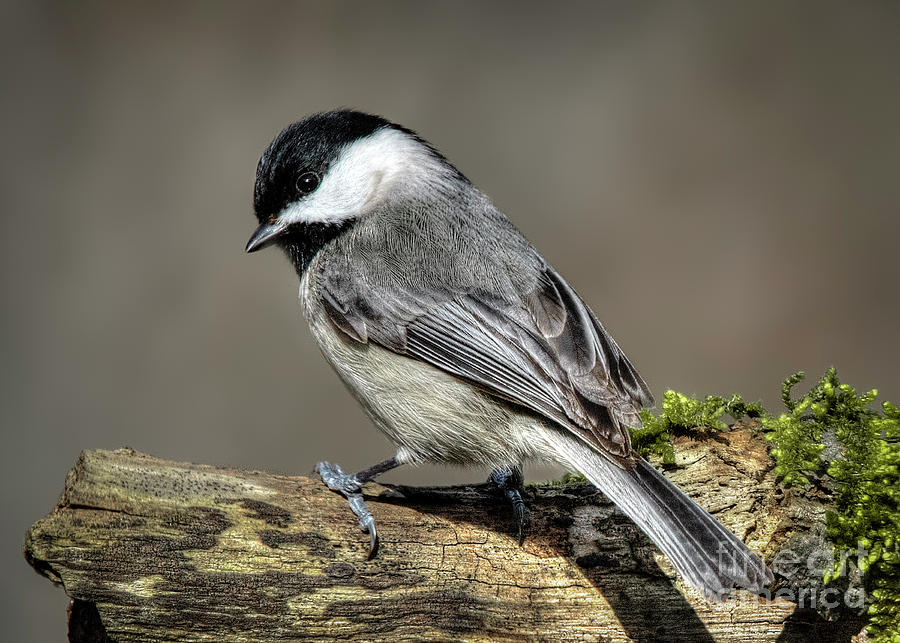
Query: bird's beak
(264, 236)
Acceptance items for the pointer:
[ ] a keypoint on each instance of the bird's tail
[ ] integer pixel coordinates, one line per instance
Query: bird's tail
(707, 555)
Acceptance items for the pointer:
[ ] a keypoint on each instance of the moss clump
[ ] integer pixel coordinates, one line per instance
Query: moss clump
(797, 434)
(865, 470)
(567, 478)
(682, 414)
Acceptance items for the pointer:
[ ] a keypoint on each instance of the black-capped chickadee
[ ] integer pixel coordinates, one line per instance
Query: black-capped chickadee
(459, 340)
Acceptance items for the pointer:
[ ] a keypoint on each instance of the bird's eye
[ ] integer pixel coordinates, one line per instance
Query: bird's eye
(307, 182)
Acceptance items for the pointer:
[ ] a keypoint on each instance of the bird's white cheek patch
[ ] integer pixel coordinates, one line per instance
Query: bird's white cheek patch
(364, 175)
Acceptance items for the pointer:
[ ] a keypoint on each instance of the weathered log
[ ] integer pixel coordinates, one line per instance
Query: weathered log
(156, 550)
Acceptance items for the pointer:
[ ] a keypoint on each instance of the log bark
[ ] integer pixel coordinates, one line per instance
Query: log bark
(156, 550)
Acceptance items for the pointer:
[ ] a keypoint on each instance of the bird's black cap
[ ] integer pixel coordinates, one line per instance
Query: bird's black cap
(310, 145)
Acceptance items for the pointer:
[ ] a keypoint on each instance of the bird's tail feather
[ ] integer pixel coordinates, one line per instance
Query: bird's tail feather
(707, 555)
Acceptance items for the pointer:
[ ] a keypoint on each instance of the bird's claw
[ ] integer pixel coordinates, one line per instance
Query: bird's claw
(523, 516)
(336, 480)
(510, 482)
(349, 486)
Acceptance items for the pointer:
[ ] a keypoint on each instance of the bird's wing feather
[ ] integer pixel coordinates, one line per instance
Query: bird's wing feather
(540, 348)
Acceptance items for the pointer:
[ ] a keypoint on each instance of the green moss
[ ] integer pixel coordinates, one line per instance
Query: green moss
(797, 434)
(865, 470)
(568, 478)
(682, 414)
(862, 467)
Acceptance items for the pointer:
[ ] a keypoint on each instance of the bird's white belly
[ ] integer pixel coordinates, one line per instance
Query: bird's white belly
(430, 414)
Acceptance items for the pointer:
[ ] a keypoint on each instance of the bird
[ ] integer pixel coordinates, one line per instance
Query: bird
(462, 344)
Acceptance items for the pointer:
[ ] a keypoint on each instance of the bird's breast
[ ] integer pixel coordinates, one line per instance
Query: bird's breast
(432, 415)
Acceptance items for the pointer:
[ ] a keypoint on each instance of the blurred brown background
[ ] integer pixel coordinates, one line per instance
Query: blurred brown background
(718, 180)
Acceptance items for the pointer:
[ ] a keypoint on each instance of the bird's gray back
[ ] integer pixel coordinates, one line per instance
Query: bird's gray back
(440, 248)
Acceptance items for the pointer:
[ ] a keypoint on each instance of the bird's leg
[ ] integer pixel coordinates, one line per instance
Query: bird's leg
(508, 479)
(350, 486)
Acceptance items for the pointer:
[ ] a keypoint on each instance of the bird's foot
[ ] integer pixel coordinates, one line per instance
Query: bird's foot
(350, 486)
(510, 482)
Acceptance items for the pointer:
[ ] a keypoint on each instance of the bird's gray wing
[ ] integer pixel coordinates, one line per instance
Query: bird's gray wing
(539, 347)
